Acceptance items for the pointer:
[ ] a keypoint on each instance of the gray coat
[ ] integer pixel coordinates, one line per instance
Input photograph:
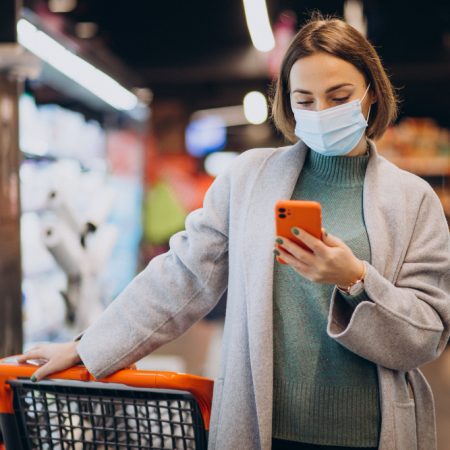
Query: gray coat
(228, 245)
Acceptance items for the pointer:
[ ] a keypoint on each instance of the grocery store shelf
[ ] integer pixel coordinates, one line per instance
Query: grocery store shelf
(423, 166)
(428, 166)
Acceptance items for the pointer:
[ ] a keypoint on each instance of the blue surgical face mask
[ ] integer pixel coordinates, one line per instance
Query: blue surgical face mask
(333, 131)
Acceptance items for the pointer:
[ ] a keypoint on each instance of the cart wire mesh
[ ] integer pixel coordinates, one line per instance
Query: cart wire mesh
(71, 415)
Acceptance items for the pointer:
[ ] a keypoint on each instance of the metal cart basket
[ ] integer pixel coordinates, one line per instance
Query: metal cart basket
(130, 409)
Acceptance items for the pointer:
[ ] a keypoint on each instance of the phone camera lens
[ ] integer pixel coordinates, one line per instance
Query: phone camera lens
(282, 216)
(282, 210)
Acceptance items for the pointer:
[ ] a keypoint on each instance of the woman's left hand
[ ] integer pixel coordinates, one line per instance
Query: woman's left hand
(331, 260)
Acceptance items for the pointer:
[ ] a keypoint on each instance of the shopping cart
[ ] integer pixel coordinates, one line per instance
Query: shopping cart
(130, 409)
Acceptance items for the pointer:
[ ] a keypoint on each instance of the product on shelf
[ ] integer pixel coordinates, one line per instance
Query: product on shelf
(421, 146)
(416, 137)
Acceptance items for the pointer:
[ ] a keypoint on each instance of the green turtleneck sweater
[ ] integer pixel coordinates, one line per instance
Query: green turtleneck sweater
(323, 393)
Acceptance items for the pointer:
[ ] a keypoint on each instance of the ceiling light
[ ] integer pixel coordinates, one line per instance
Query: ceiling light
(217, 163)
(258, 25)
(62, 6)
(255, 107)
(86, 30)
(74, 67)
(354, 15)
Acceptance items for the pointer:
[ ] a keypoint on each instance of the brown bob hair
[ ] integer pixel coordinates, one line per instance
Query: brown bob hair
(334, 36)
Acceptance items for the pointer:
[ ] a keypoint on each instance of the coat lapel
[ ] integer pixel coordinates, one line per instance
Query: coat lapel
(384, 224)
(276, 180)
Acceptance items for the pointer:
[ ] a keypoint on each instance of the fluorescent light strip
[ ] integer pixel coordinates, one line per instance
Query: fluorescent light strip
(74, 67)
(258, 25)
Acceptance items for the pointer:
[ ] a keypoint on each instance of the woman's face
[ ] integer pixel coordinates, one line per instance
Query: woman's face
(321, 81)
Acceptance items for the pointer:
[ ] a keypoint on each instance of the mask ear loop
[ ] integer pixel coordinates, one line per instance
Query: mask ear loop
(370, 106)
(368, 113)
(365, 93)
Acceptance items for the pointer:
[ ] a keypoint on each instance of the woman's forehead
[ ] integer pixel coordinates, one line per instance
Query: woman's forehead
(322, 71)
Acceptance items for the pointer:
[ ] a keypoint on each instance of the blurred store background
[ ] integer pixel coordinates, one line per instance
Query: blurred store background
(116, 117)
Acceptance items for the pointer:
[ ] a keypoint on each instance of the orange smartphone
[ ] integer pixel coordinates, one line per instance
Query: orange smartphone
(298, 213)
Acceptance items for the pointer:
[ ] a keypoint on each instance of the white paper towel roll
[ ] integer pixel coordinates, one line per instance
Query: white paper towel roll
(100, 246)
(65, 247)
(101, 206)
(58, 204)
(89, 305)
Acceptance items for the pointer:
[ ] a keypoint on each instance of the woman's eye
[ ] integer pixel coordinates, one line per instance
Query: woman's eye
(336, 99)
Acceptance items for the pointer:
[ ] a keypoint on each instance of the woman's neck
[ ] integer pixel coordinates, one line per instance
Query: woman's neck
(361, 148)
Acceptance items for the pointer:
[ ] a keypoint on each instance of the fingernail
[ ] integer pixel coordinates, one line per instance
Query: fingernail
(295, 231)
(279, 241)
(33, 378)
(326, 234)
(276, 252)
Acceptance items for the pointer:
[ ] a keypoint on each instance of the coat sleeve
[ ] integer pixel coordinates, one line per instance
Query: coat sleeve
(352, 300)
(175, 290)
(403, 325)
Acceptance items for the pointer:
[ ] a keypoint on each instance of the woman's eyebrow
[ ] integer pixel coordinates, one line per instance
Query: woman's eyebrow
(332, 88)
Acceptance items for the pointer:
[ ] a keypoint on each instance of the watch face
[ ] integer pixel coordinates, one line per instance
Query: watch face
(357, 288)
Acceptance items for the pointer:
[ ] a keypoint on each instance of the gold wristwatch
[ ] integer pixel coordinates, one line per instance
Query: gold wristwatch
(357, 286)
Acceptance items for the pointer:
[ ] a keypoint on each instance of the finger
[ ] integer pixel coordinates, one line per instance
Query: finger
(316, 245)
(40, 373)
(24, 355)
(45, 370)
(292, 261)
(36, 354)
(280, 260)
(330, 240)
(21, 358)
(292, 247)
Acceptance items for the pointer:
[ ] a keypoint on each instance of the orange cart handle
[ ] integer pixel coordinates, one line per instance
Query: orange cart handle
(201, 388)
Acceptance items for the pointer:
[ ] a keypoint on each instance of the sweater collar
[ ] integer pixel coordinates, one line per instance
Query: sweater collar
(337, 170)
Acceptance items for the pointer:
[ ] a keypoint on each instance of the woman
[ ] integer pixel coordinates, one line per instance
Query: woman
(322, 352)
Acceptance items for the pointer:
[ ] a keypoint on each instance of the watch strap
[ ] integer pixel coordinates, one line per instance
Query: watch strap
(346, 290)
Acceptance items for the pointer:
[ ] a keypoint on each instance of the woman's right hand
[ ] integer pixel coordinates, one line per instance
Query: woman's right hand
(57, 356)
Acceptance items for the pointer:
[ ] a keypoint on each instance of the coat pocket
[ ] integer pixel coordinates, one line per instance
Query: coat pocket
(405, 425)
